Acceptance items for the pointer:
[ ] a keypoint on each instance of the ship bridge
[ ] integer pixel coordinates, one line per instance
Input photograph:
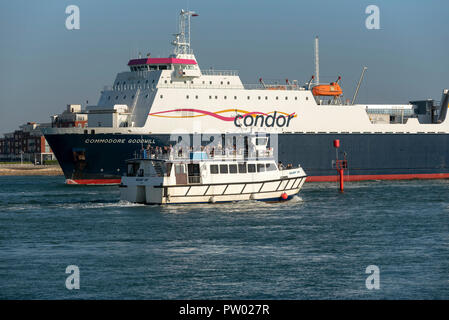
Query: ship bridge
(171, 63)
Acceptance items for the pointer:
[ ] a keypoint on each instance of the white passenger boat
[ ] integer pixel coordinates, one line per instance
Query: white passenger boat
(209, 176)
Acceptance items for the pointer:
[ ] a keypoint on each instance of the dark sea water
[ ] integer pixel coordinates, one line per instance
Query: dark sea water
(316, 246)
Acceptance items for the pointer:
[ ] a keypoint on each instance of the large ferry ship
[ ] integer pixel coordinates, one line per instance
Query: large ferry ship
(160, 102)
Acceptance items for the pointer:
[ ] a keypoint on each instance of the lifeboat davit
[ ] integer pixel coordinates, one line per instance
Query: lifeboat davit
(333, 89)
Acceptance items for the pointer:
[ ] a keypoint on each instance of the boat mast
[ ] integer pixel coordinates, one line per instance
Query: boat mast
(182, 38)
(317, 62)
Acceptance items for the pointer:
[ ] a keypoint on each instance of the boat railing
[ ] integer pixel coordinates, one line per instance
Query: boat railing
(219, 154)
(211, 72)
(280, 87)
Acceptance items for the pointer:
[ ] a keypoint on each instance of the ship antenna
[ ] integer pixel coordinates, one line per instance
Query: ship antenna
(317, 62)
(182, 38)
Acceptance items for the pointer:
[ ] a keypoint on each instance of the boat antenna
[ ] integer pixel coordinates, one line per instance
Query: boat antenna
(182, 38)
(358, 84)
(317, 62)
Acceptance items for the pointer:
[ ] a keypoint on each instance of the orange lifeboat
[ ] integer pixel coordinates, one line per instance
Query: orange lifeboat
(333, 89)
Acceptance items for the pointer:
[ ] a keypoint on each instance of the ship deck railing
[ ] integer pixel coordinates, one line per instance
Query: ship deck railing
(279, 87)
(228, 155)
(211, 72)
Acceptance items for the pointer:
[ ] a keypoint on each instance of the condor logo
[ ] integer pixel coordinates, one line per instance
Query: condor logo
(263, 120)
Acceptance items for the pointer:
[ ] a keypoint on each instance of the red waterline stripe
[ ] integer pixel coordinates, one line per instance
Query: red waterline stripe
(379, 177)
(93, 181)
(309, 178)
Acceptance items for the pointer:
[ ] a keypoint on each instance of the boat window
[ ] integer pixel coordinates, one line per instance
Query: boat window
(168, 168)
(260, 167)
(251, 167)
(141, 173)
(261, 141)
(242, 167)
(223, 168)
(232, 168)
(214, 168)
(179, 169)
(270, 166)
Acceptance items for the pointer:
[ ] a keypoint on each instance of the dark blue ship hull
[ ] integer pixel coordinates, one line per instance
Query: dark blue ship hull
(100, 158)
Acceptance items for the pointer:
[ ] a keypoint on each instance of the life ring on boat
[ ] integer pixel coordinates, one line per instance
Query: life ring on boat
(284, 196)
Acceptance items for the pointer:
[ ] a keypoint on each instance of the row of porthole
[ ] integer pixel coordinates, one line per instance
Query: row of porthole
(124, 97)
(235, 97)
(204, 82)
(138, 82)
(210, 97)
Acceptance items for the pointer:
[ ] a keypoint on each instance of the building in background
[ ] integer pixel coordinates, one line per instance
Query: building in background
(73, 116)
(29, 144)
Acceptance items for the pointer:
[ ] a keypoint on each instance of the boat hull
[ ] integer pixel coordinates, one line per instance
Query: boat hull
(371, 156)
(141, 192)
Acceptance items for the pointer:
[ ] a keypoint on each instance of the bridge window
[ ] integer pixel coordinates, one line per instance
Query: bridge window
(260, 167)
(232, 168)
(270, 166)
(251, 167)
(242, 167)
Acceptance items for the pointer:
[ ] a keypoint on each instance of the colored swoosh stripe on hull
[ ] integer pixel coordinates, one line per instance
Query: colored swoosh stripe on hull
(334, 178)
(213, 114)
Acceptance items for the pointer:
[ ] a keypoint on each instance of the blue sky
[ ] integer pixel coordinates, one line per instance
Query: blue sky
(44, 66)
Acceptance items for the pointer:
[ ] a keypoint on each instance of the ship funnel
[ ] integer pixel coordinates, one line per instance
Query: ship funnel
(444, 105)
